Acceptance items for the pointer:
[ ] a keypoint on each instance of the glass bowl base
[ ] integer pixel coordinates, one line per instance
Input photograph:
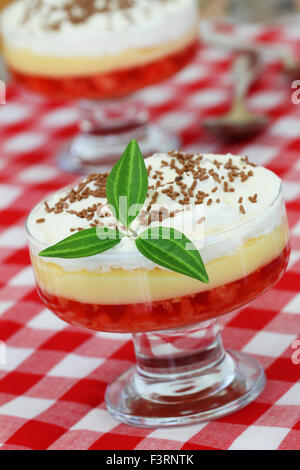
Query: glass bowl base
(200, 395)
(98, 153)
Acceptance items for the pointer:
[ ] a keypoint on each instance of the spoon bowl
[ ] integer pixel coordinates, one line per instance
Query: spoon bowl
(230, 129)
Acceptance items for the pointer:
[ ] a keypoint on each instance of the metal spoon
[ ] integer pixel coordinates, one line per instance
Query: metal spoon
(239, 123)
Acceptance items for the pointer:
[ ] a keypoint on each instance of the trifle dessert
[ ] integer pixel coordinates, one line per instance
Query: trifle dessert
(97, 48)
(101, 52)
(238, 218)
(232, 213)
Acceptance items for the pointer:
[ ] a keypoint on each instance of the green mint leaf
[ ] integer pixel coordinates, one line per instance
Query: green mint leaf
(171, 249)
(127, 184)
(89, 242)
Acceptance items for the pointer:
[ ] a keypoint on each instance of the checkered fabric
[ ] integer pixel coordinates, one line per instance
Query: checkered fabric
(52, 385)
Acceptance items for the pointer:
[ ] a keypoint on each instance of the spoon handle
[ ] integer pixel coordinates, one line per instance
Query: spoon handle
(245, 70)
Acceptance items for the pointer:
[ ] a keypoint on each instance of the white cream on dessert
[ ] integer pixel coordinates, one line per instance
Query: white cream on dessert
(201, 203)
(97, 29)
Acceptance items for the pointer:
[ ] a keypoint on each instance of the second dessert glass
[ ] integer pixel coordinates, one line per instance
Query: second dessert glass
(101, 56)
(183, 373)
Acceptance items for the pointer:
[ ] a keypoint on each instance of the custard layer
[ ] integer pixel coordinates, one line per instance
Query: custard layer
(31, 63)
(121, 286)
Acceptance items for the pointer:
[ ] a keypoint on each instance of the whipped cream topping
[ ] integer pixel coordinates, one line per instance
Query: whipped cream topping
(96, 27)
(218, 201)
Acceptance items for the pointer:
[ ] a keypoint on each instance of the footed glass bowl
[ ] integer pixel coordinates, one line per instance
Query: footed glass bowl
(183, 374)
(101, 64)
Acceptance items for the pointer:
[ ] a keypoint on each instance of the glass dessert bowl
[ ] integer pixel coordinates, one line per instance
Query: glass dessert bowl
(100, 52)
(235, 215)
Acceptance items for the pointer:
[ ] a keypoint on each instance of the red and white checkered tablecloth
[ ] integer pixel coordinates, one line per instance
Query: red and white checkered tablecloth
(52, 386)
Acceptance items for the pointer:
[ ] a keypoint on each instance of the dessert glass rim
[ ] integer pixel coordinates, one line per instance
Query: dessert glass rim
(207, 241)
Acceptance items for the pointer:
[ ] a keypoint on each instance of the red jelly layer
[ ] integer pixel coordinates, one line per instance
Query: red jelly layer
(172, 313)
(109, 84)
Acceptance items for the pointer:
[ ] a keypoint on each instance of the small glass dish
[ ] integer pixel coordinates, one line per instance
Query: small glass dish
(183, 374)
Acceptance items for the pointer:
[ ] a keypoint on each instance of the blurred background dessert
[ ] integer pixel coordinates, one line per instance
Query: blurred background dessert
(100, 50)
(97, 48)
